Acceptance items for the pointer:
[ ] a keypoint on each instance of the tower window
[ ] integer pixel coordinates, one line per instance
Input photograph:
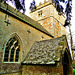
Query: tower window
(40, 13)
(12, 50)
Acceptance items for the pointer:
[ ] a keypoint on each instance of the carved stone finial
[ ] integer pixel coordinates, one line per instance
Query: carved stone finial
(45, 1)
(50, 1)
(36, 5)
(40, 3)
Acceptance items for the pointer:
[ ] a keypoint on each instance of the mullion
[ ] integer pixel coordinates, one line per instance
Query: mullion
(17, 55)
(11, 43)
(12, 54)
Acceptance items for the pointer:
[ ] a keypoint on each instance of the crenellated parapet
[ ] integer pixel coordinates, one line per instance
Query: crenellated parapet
(46, 3)
(41, 5)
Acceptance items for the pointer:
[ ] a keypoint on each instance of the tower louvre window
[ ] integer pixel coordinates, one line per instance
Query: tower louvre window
(12, 50)
(40, 13)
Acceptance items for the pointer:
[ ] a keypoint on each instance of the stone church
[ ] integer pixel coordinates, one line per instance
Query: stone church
(36, 45)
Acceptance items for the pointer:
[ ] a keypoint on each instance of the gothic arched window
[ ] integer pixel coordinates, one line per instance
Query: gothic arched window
(12, 49)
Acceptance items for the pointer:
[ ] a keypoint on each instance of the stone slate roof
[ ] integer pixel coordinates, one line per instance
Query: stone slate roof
(15, 13)
(45, 52)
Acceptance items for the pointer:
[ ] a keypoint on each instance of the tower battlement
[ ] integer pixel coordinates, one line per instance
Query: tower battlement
(50, 16)
(44, 4)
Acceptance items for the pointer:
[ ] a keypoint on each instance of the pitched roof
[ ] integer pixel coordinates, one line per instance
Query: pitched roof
(44, 52)
(15, 13)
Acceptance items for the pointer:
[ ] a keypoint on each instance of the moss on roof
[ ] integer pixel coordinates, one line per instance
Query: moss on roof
(46, 51)
(8, 9)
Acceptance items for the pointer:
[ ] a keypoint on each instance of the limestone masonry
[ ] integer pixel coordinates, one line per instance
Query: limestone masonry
(47, 15)
(36, 45)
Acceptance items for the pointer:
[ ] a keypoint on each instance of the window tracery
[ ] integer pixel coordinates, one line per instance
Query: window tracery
(12, 50)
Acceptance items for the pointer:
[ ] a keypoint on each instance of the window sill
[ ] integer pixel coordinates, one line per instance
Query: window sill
(12, 62)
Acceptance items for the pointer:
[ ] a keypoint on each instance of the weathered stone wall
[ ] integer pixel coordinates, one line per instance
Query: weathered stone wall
(47, 11)
(42, 70)
(45, 53)
(7, 68)
(27, 34)
(53, 26)
(21, 29)
(50, 19)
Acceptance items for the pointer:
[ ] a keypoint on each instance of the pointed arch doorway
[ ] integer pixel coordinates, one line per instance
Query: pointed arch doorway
(67, 67)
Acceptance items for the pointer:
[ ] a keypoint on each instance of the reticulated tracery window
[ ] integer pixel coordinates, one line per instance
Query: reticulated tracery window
(12, 50)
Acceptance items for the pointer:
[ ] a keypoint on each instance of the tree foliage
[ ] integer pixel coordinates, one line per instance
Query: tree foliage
(20, 4)
(67, 10)
(32, 5)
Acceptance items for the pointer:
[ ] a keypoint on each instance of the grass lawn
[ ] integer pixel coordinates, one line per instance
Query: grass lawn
(73, 72)
(73, 69)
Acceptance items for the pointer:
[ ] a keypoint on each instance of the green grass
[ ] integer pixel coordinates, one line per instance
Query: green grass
(73, 65)
(73, 72)
(73, 69)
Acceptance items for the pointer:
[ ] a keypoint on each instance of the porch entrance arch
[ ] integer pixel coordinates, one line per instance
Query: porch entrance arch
(67, 68)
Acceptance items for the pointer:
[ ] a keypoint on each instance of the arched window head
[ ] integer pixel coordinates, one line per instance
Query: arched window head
(12, 49)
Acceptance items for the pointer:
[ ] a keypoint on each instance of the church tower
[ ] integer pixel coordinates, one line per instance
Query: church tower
(48, 16)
